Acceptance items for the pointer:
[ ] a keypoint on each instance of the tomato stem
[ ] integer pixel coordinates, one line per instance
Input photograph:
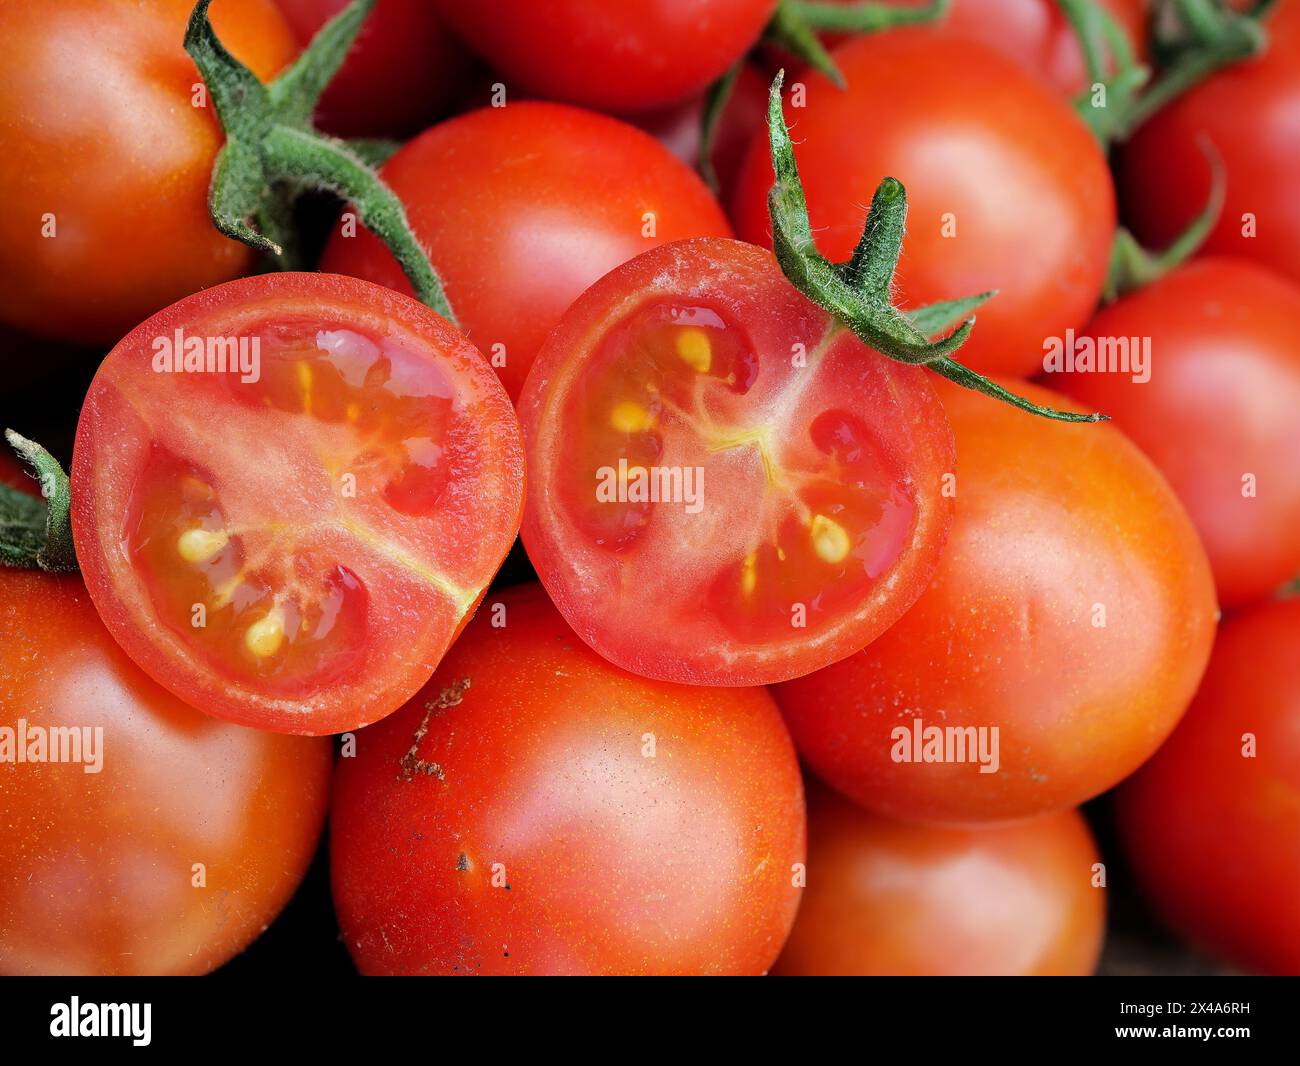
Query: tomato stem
(37, 534)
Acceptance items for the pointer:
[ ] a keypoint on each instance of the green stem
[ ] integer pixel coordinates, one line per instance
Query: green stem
(867, 17)
(37, 533)
(715, 104)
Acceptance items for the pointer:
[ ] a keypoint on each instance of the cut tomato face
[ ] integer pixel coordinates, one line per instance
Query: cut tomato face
(707, 440)
(289, 493)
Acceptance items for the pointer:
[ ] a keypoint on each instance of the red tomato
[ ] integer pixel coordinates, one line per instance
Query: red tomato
(297, 551)
(1212, 823)
(1073, 611)
(1219, 413)
(630, 56)
(107, 161)
(705, 440)
(1007, 188)
(522, 208)
(404, 69)
(537, 811)
(1247, 112)
(887, 898)
(178, 850)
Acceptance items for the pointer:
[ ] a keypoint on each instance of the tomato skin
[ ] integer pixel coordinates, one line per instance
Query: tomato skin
(402, 72)
(621, 57)
(1221, 403)
(105, 887)
(980, 146)
(415, 576)
(96, 114)
(886, 898)
(616, 863)
(1247, 113)
(522, 208)
(1213, 836)
(1053, 522)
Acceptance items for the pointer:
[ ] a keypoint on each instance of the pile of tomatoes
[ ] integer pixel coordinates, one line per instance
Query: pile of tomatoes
(629, 606)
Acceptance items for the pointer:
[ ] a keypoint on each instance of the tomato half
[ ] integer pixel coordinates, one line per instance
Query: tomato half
(172, 855)
(537, 811)
(1218, 414)
(628, 56)
(294, 547)
(1007, 188)
(107, 162)
(888, 898)
(1072, 612)
(706, 440)
(521, 208)
(1211, 825)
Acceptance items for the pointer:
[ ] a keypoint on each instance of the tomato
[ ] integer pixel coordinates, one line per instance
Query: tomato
(107, 161)
(1211, 825)
(1007, 188)
(523, 207)
(888, 898)
(629, 56)
(403, 71)
(183, 844)
(295, 546)
(1218, 415)
(704, 439)
(1247, 113)
(535, 810)
(1073, 613)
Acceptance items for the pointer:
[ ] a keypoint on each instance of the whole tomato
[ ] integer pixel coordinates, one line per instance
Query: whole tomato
(178, 849)
(536, 810)
(107, 159)
(1059, 643)
(521, 208)
(1007, 188)
(1211, 824)
(889, 898)
(1215, 409)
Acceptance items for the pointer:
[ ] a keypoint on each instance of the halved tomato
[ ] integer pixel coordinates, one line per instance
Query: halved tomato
(707, 440)
(294, 542)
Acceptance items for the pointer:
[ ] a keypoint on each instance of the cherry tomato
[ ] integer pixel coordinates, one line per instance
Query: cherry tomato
(522, 208)
(1212, 823)
(1007, 188)
(1073, 612)
(108, 160)
(294, 547)
(708, 445)
(1218, 415)
(537, 811)
(165, 844)
(887, 898)
(630, 56)
(1247, 114)
(403, 71)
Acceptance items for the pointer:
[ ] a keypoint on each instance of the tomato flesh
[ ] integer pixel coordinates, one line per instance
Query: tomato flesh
(706, 437)
(261, 541)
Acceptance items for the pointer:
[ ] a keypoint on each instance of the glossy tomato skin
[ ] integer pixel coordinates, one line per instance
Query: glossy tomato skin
(1073, 610)
(1007, 188)
(295, 550)
(887, 898)
(621, 57)
(403, 71)
(522, 208)
(1212, 834)
(1246, 111)
(100, 133)
(99, 875)
(1218, 415)
(790, 430)
(560, 816)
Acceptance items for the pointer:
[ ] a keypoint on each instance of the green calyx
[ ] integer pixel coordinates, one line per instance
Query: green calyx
(273, 153)
(858, 292)
(37, 534)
